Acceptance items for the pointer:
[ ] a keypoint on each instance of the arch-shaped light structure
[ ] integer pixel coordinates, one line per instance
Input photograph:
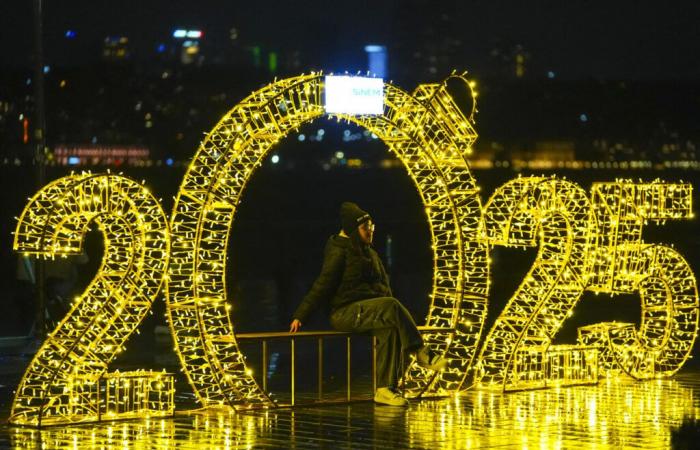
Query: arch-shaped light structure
(425, 130)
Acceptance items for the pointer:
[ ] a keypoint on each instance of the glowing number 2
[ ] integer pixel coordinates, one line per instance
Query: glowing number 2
(136, 246)
(554, 214)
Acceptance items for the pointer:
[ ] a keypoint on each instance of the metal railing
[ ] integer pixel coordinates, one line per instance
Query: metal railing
(320, 336)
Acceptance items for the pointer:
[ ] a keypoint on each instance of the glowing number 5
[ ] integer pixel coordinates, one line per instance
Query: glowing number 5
(136, 244)
(624, 263)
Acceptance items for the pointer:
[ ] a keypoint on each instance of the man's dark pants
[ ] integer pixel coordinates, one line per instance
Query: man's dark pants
(391, 323)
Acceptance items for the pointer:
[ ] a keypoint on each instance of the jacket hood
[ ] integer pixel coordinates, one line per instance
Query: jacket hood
(340, 241)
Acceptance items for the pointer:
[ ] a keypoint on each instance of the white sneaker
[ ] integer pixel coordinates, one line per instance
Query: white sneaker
(430, 360)
(387, 396)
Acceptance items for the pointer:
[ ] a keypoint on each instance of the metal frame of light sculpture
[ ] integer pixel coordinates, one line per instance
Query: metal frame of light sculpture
(623, 263)
(79, 349)
(425, 130)
(137, 393)
(554, 215)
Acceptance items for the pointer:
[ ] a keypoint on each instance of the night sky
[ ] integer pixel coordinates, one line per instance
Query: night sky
(576, 39)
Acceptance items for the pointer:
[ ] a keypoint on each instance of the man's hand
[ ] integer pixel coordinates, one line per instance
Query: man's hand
(294, 326)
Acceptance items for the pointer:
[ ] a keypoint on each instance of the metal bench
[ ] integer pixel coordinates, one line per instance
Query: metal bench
(320, 336)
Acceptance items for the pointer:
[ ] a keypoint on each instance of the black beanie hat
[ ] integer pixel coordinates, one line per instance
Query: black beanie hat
(351, 217)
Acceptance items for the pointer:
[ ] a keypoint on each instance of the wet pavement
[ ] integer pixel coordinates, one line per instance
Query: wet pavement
(617, 413)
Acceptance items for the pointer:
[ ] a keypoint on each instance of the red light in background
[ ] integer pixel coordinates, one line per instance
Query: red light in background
(25, 131)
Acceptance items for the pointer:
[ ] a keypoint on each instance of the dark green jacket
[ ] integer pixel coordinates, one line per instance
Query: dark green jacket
(346, 276)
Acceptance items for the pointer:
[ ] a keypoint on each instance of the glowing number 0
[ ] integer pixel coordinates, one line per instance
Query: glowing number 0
(428, 134)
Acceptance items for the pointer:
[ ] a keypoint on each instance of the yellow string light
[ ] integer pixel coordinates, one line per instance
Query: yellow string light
(584, 244)
(623, 263)
(553, 215)
(588, 245)
(425, 130)
(64, 381)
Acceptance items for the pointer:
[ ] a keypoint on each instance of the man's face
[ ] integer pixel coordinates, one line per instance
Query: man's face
(366, 231)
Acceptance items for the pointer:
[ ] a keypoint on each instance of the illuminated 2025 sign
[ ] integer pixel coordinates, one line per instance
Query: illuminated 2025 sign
(586, 241)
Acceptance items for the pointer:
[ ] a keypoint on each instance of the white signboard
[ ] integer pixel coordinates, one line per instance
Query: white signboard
(354, 95)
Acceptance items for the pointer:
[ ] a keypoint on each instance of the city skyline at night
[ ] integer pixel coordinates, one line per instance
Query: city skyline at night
(603, 40)
(390, 224)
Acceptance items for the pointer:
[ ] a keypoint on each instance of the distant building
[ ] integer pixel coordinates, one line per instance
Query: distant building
(93, 155)
(510, 60)
(555, 150)
(115, 49)
(520, 57)
(187, 44)
(377, 60)
(547, 152)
